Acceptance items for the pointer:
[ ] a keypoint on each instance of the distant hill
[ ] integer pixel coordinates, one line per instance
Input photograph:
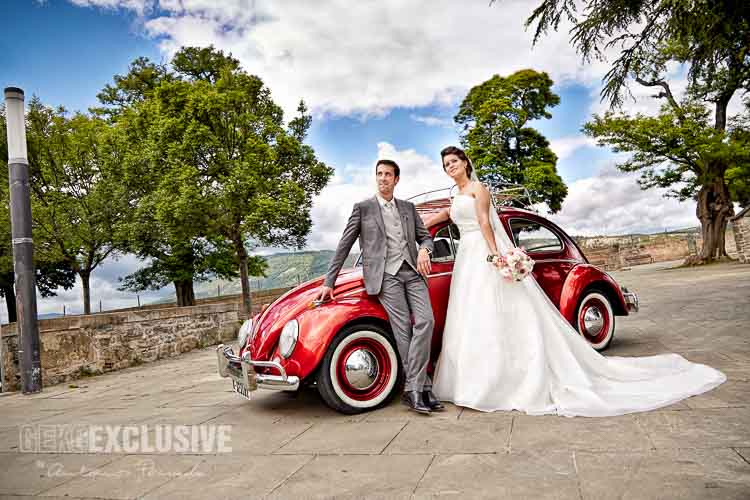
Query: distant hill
(49, 315)
(284, 269)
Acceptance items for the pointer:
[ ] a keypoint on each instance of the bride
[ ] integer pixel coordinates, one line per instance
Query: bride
(507, 347)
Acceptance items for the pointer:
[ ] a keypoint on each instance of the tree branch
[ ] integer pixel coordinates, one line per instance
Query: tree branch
(666, 93)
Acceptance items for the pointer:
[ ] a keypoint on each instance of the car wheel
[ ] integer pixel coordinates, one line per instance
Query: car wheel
(360, 369)
(595, 320)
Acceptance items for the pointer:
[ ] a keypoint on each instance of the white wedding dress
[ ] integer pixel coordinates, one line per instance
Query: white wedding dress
(507, 347)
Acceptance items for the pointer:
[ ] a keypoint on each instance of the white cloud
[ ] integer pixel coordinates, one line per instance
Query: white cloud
(433, 121)
(137, 6)
(566, 146)
(419, 174)
(369, 58)
(612, 202)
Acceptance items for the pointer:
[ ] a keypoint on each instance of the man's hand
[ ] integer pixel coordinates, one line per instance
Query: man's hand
(424, 266)
(324, 293)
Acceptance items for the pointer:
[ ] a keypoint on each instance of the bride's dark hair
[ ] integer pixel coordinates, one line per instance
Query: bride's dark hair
(453, 150)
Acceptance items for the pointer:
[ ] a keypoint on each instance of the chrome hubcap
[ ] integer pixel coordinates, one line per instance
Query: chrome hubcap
(593, 321)
(361, 369)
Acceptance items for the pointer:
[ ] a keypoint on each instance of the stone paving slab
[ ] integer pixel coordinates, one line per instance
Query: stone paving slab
(705, 428)
(520, 474)
(562, 433)
(440, 436)
(353, 438)
(232, 477)
(294, 446)
(658, 474)
(356, 477)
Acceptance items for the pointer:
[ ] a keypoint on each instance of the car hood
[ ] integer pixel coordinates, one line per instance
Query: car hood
(287, 307)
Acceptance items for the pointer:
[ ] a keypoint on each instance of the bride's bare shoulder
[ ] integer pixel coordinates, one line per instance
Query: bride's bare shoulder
(477, 189)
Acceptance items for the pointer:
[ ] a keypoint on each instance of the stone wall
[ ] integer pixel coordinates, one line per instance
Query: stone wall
(76, 346)
(617, 252)
(741, 231)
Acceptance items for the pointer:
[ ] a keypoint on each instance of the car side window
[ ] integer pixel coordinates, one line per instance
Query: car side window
(443, 248)
(534, 237)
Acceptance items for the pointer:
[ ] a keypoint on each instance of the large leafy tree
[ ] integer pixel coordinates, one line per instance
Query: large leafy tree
(75, 202)
(51, 272)
(167, 226)
(218, 170)
(234, 162)
(174, 244)
(504, 148)
(693, 151)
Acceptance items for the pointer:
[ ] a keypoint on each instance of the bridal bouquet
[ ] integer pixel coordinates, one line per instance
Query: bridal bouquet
(515, 265)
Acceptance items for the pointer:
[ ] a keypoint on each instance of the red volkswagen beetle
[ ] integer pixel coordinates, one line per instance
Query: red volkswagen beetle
(345, 346)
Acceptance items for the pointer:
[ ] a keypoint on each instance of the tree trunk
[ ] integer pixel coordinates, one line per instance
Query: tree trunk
(247, 302)
(10, 302)
(185, 293)
(713, 210)
(86, 284)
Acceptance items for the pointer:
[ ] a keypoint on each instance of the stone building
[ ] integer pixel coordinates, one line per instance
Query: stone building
(741, 228)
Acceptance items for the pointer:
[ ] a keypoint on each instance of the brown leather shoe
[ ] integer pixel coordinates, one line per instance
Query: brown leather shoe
(431, 401)
(413, 399)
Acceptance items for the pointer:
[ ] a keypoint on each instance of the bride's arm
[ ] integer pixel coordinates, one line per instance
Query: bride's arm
(435, 218)
(483, 215)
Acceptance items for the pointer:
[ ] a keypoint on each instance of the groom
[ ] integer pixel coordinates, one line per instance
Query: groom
(388, 229)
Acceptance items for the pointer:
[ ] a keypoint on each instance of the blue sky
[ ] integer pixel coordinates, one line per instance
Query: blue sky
(67, 63)
(382, 79)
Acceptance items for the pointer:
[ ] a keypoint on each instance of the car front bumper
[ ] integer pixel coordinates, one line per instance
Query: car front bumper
(631, 301)
(242, 370)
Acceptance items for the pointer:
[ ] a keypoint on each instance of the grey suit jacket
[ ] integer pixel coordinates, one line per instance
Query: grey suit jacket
(366, 223)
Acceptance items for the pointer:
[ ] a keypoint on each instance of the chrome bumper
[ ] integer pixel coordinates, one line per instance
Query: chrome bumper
(631, 301)
(242, 370)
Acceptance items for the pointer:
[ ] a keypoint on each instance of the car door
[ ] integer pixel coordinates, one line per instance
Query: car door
(439, 281)
(547, 248)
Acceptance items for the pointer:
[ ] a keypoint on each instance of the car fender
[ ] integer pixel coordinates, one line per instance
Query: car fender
(582, 277)
(319, 325)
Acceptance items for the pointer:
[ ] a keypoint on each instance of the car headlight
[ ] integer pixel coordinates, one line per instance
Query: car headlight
(245, 330)
(288, 339)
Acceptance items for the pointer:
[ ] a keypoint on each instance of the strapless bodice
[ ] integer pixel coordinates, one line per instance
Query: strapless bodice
(464, 214)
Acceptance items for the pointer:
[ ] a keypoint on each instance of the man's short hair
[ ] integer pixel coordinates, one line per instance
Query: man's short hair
(390, 163)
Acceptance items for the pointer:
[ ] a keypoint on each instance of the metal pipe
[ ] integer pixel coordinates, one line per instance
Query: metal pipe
(23, 247)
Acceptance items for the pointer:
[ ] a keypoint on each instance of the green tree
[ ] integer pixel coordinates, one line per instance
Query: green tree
(51, 274)
(142, 78)
(233, 164)
(495, 118)
(212, 169)
(692, 151)
(173, 245)
(75, 199)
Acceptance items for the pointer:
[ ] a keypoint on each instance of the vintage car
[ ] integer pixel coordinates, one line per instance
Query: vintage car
(345, 346)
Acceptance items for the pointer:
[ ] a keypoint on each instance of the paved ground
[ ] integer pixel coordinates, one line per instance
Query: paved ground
(296, 448)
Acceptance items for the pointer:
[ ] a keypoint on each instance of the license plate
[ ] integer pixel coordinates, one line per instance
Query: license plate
(240, 389)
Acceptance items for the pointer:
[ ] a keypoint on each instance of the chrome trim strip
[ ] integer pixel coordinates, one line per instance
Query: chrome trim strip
(448, 273)
(549, 261)
(352, 292)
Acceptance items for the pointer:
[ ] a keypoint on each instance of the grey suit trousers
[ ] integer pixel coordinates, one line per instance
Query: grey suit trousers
(403, 295)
